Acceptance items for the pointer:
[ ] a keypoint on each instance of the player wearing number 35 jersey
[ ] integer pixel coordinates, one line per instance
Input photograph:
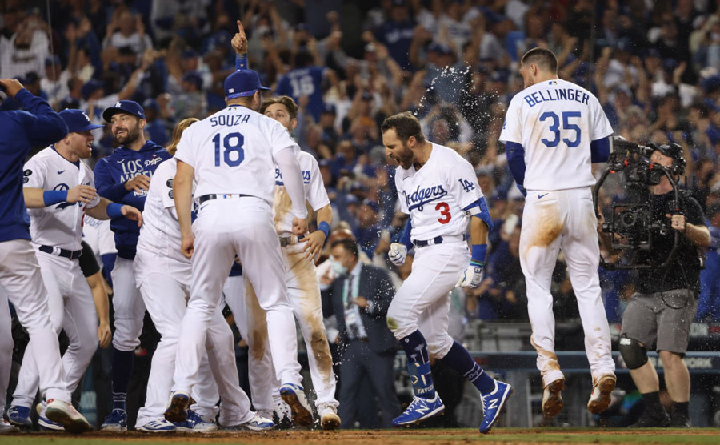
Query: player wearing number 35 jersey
(440, 192)
(554, 130)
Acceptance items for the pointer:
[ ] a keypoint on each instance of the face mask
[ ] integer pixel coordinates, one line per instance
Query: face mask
(338, 267)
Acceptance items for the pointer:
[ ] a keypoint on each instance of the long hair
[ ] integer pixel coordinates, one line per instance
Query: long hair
(177, 133)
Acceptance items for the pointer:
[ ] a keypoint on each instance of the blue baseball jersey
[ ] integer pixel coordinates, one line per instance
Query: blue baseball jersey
(304, 82)
(111, 174)
(38, 126)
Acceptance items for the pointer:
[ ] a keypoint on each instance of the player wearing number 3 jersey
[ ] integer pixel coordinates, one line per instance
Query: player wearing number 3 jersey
(553, 131)
(440, 192)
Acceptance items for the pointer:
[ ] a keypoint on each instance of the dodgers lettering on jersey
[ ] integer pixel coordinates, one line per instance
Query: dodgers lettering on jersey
(59, 225)
(111, 174)
(160, 236)
(555, 121)
(436, 195)
(237, 159)
(315, 193)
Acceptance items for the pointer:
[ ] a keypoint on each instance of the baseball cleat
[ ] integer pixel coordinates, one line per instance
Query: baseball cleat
(7, 427)
(64, 414)
(329, 420)
(492, 405)
(116, 421)
(19, 416)
(652, 420)
(257, 423)
(294, 396)
(419, 410)
(600, 395)
(195, 424)
(177, 409)
(157, 426)
(552, 402)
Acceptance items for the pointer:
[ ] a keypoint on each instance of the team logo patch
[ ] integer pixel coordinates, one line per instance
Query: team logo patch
(466, 185)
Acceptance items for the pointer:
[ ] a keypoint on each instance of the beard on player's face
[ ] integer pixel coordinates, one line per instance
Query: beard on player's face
(126, 133)
(405, 156)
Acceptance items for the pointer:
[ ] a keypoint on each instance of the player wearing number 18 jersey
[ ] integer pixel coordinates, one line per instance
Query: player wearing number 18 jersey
(553, 131)
(230, 155)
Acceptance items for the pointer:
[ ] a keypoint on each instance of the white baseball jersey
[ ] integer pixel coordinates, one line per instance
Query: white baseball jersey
(160, 233)
(228, 151)
(436, 195)
(59, 225)
(313, 186)
(555, 121)
(97, 233)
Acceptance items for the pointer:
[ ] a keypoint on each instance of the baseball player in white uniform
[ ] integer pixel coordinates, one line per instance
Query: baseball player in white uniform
(235, 187)
(302, 285)
(553, 131)
(163, 275)
(440, 192)
(57, 190)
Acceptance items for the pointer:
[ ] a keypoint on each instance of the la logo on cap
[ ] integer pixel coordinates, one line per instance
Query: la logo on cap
(118, 104)
(86, 116)
(232, 90)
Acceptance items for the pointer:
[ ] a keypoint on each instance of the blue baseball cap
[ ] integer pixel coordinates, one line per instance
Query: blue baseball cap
(242, 83)
(126, 107)
(77, 120)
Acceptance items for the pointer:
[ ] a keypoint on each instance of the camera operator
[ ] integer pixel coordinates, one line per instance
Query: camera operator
(659, 314)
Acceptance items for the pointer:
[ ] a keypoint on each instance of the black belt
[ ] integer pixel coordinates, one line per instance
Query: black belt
(436, 240)
(70, 254)
(204, 198)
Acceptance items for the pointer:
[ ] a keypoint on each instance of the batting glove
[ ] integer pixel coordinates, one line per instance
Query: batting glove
(472, 277)
(397, 253)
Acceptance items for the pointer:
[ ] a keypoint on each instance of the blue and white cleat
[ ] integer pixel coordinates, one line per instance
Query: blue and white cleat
(419, 410)
(258, 423)
(48, 425)
(177, 409)
(19, 416)
(116, 421)
(158, 426)
(63, 414)
(294, 396)
(195, 424)
(493, 404)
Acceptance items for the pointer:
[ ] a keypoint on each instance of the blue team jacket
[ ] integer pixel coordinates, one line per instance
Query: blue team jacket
(21, 131)
(111, 174)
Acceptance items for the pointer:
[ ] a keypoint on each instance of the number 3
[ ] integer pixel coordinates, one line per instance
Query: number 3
(444, 211)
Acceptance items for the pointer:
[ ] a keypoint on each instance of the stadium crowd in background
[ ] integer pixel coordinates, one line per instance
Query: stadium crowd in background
(654, 66)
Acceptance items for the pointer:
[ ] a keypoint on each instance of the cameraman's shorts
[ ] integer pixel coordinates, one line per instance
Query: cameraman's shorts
(662, 317)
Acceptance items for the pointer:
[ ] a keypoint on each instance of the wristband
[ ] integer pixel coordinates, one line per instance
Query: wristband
(324, 227)
(241, 62)
(51, 197)
(113, 210)
(479, 252)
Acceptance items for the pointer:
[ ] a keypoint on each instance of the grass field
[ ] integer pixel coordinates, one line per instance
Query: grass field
(389, 437)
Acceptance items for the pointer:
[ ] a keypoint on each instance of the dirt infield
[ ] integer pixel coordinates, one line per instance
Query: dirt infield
(389, 437)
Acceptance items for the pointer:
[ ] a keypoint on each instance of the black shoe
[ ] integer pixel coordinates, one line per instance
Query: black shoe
(655, 420)
(678, 420)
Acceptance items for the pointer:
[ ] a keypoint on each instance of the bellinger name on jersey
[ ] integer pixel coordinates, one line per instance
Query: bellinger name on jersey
(556, 94)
